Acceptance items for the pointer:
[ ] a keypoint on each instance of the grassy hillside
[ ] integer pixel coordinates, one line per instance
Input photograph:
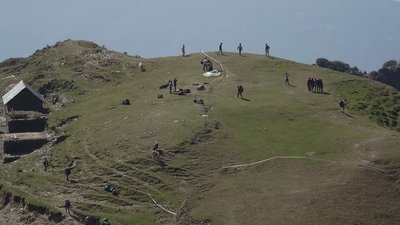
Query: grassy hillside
(348, 173)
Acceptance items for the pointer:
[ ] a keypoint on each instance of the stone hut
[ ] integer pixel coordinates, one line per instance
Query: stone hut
(23, 97)
(26, 121)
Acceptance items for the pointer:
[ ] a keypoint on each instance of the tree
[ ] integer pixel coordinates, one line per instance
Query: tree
(341, 66)
(388, 74)
(338, 66)
(390, 64)
(322, 62)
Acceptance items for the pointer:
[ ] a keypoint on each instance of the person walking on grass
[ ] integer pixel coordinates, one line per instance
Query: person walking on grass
(286, 78)
(343, 104)
(67, 206)
(68, 169)
(267, 50)
(240, 91)
(183, 50)
(240, 48)
(220, 49)
(67, 172)
(45, 163)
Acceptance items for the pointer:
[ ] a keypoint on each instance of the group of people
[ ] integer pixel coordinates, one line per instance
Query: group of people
(207, 64)
(239, 48)
(67, 203)
(172, 84)
(315, 85)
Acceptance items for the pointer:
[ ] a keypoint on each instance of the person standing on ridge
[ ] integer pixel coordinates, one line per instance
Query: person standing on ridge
(240, 48)
(175, 81)
(220, 49)
(267, 50)
(183, 50)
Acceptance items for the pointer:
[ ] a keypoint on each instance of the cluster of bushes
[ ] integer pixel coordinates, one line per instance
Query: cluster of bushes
(339, 66)
(388, 74)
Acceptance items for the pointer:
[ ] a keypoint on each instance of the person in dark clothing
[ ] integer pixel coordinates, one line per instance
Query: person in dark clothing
(240, 91)
(175, 81)
(156, 146)
(45, 163)
(309, 84)
(220, 49)
(67, 172)
(210, 66)
(314, 85)
(267, 50)
(240, 48)
(68, 169)
(67, 206)
(343, 104)
(183, 50)
(320, 85)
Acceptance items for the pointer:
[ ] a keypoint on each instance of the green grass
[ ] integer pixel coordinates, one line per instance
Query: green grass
(112, 142)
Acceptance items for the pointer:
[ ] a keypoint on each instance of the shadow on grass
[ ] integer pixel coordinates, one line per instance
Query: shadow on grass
(291, 85)
(347, 114)
(321, 93)
(245, 99)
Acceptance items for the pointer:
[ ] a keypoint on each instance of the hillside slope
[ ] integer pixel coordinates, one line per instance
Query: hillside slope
(333, 167)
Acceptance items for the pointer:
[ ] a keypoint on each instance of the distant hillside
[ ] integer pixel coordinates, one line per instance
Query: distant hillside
(280, 154)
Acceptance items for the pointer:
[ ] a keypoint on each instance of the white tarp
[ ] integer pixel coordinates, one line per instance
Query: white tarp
(213, 73)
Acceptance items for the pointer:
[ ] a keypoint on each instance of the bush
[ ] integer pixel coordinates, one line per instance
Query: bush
(388, 74)
(338, 66)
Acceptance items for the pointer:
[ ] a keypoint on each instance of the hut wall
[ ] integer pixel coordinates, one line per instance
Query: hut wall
(22, 126)
(22, 147)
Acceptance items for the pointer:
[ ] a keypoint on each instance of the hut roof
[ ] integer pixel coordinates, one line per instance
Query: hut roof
(17, 89)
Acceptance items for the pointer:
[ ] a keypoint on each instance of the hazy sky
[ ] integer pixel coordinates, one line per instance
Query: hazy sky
(363, 33)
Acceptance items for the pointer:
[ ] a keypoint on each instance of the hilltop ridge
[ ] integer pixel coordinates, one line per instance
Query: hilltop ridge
(281, 154)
